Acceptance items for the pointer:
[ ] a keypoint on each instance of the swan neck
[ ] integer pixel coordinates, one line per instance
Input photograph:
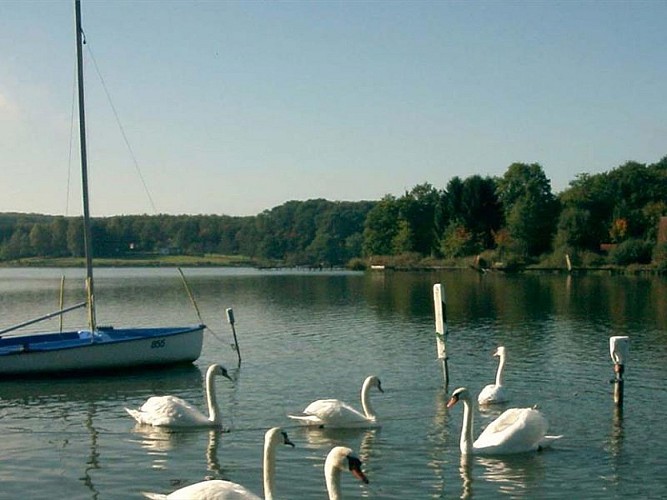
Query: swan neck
(369, 411)
(499, 373)
(269, 466)
(466, 431)
(332, 474)
(211, 399)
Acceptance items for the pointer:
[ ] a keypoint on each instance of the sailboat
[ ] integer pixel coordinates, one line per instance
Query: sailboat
(94, 348)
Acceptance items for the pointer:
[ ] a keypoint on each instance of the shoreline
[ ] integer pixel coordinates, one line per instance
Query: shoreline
(234, 261)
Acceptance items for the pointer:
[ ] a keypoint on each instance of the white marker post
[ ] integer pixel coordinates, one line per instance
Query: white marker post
(619, 349)
(441, 328)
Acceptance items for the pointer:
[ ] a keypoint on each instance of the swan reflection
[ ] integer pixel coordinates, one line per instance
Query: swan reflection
(512, 473)
(160, 442)
(490, 413)
(212, 461)
(359, 439)
(465, 470)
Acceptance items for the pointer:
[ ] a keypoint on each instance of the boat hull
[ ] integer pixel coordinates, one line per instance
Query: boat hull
(109, 349)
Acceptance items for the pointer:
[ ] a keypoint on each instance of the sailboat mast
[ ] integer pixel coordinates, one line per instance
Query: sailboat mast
(84, 169)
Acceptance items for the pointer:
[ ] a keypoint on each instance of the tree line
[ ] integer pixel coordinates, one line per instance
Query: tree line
(514, 219)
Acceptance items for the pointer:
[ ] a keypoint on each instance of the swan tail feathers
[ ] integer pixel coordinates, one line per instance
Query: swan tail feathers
(306, 419)
(547, 441)
(153, 496)
(135, 414)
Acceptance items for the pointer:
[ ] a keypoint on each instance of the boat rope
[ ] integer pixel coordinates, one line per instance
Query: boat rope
(192, 298)
(194, 304)
(71, 144)
(218, 336)
(61, 302)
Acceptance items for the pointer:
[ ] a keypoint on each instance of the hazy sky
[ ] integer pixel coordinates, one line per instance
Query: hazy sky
(236, 107)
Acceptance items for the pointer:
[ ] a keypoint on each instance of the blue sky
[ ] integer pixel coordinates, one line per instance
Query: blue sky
(236, 107)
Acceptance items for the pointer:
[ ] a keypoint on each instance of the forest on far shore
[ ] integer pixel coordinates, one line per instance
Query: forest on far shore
(510, 222)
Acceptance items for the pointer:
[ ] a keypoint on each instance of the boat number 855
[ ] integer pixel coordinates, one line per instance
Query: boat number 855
(157, 344)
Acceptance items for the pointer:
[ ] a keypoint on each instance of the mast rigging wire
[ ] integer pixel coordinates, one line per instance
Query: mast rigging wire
(120, 126)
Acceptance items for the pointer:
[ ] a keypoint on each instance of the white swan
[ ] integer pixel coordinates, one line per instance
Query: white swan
(334, 413)
(172, 411)
(219, 489)
(516, 430)
(340, 459)
(495, 393)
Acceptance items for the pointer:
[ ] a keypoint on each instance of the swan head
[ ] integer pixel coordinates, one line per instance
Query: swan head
(500, 352)
(343, 458)
(286, 439)
(216, 369)
(459, 394)
(354, 465)
(374, 381)
(276, 434)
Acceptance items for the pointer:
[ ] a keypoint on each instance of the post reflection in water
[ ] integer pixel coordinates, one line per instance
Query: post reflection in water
(615, 444)
(438, 436)
(93, 461)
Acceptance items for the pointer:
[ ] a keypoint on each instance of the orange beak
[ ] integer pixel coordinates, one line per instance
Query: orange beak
(360, 475)
(355, 468)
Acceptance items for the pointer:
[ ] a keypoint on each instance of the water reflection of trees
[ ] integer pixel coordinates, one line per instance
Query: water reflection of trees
(519, 299)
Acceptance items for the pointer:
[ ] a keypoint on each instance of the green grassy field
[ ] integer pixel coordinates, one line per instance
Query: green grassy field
(145, 260)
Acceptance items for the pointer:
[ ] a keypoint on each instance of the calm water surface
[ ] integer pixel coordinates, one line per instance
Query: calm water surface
(306, 336)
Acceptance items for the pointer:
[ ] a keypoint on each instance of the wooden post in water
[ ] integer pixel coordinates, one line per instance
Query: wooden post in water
(619, 347)
(230, 319)
(568, 262)
(62, 300)
(440, 304)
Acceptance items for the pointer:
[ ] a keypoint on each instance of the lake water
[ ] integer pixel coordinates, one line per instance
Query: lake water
(309, 335)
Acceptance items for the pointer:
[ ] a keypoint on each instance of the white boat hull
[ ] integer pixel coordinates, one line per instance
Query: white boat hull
(109, 350)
